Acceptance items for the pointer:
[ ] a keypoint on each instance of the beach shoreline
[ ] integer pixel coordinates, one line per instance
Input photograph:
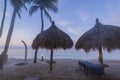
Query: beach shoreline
(63, 69)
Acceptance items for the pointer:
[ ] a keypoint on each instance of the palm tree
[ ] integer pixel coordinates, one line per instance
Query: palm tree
(43, 6)
(3, 18)
(17, 7)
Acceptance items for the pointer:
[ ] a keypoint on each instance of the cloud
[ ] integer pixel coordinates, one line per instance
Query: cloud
(61, 2)
(113, 18)
(73, 31)
(63, 23)
(84, 16)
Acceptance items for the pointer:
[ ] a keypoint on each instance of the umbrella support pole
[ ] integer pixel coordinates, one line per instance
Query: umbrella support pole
(35, 56)
(51, 59)
(100, 56)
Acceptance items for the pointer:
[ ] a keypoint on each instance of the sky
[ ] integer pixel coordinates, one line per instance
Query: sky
(74, 17)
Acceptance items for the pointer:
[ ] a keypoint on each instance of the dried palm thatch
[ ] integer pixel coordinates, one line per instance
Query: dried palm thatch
(52, 38)
(100, 36)
(35, 44)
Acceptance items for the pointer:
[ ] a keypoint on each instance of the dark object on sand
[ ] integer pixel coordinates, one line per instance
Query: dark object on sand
(90, 68)
(21, 64)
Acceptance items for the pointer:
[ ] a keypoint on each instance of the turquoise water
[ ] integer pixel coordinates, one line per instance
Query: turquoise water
(63, 54)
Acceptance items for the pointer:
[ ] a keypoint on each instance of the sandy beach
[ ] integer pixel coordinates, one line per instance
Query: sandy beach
(63, 69)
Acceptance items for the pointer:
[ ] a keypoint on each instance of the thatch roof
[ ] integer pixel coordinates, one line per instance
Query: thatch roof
(35, 44)
(52, 38)
(105, 36)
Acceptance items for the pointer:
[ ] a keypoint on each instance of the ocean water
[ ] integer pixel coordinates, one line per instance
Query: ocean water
(63, 54)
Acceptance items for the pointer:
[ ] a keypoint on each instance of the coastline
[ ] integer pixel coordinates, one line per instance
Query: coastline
(63, 69)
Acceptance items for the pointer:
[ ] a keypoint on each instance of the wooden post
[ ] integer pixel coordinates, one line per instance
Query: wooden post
(51, 59)
(42, 58)
(5, 57)
(25, 50)
(100, 56)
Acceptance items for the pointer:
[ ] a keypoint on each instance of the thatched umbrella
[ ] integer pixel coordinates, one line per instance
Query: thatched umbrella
(100, 36)
(52, 38)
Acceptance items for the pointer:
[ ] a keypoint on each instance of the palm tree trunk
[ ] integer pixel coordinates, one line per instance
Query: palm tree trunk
(9, 35)
(51, 59)
(100, 56)
(42, 26)
(35, 56)
(42, 23)
(3, 18)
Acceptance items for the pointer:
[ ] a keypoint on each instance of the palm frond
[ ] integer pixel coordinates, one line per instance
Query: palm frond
(18, 5)
(52, 8)
(27, 1)
(24, 6)
(54, 1)
(48, 15)
(18, 13)
(33, 9)
(51, 5)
